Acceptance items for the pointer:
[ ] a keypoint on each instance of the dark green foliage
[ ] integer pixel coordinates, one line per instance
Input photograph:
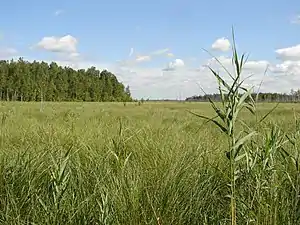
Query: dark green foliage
(262, 97)
(36, 81)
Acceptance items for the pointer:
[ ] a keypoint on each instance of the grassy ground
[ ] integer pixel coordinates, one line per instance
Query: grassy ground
(106, 163)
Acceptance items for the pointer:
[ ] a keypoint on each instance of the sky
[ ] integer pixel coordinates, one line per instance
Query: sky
(161, 49)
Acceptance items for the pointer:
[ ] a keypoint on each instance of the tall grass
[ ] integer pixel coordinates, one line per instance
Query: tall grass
(103, 163)
(256, 159)
(233, 102)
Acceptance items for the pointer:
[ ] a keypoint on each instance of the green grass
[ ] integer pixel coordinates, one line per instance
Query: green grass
(103, 163)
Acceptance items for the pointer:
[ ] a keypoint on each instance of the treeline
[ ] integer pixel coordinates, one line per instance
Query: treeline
(294, 96)
(35, 81)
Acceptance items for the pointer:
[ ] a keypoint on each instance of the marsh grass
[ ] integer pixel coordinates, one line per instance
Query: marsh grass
(152, 163)
(91, 163)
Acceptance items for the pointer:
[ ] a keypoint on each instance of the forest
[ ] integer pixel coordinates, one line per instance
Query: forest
(35, 81)
(293, 96)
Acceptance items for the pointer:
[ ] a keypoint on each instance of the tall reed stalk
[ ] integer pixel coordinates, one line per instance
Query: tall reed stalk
(234, 98)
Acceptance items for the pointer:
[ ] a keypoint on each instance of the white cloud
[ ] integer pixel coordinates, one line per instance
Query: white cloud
(65, 47)
(177, 63)
(143, 58)
(213, 62)
(289, 53)
(254, 66)
(66, 43)
(131, 52)
(287, 68)
(174, 65)
(249, 66)
(221, 44)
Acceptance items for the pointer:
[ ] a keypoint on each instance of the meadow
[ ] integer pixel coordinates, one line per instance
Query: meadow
(154, 163)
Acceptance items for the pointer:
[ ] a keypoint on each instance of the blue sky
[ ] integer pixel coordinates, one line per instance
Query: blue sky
(139, 40)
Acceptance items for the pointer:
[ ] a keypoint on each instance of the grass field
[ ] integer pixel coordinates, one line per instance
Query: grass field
(106, 163)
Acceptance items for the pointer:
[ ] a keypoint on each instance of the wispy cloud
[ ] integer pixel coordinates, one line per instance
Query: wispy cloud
(160, 51)
(7, 52)
(143, 58)
(138, 58)
(131, 52)
(296, 19)
(58, 12)
(164, 52)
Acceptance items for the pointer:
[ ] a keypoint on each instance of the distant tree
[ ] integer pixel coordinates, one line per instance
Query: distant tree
(294, 96)
(128, 93)
(24, 81)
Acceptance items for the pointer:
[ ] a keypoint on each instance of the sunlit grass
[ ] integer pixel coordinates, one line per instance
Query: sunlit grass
(72, 164)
